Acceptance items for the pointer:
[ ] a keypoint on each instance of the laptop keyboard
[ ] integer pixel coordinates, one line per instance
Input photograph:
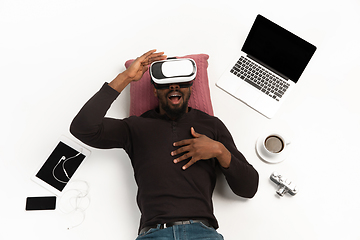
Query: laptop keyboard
(259, 77)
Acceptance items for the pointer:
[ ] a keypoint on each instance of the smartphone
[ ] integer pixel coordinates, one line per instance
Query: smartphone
(41, 203)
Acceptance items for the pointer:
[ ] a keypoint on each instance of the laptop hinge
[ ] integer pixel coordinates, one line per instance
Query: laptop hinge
(266, 66)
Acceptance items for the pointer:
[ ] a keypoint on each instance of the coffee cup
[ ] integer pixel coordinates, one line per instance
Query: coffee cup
(272, 147)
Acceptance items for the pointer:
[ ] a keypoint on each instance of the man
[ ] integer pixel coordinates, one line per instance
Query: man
(174, 151)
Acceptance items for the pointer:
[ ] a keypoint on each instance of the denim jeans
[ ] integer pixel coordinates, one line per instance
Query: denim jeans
(193, 231)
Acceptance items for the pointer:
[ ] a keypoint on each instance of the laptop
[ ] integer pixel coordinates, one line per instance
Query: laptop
(268, 68)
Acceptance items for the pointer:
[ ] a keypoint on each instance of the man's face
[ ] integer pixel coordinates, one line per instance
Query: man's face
(173, 101)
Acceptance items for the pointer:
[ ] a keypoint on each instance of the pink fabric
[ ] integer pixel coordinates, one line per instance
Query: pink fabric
(142, 96)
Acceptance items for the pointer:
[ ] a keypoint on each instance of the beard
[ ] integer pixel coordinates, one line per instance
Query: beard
(178, 111)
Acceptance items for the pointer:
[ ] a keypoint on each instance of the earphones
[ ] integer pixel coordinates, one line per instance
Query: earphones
(75, 201)
(64, 159)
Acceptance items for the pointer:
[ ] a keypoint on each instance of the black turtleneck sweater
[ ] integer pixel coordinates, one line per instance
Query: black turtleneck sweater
(166, 193)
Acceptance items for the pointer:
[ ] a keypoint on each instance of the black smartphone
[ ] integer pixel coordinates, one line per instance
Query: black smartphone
(40, 203)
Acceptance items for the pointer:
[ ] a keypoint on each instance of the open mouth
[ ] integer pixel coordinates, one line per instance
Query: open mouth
(175, 98)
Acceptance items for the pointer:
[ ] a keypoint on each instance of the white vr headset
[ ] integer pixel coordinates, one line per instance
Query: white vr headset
(166, 72)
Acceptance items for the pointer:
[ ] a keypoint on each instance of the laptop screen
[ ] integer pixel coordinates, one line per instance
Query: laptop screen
(278, 49)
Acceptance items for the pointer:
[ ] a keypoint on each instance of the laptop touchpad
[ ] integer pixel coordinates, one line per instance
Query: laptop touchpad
(248, 94)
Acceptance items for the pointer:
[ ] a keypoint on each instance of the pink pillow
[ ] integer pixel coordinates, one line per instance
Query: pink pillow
(142, 96)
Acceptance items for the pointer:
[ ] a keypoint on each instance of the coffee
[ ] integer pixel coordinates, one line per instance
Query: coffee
(274, 144)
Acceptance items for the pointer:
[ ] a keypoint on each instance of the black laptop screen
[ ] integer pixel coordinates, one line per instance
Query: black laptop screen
(277, 48)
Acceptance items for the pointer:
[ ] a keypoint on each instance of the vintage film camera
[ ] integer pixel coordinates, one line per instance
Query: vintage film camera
(285, 185)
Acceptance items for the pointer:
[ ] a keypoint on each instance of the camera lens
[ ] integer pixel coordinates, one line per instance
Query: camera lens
(282, 190)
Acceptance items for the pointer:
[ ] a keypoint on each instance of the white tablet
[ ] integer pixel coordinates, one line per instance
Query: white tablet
(60, 166)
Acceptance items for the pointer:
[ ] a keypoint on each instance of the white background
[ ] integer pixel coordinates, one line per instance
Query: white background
(54, 55)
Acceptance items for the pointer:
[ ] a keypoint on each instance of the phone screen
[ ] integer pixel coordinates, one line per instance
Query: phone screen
(40, 203)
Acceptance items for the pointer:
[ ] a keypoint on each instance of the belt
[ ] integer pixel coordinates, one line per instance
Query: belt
(170, 224)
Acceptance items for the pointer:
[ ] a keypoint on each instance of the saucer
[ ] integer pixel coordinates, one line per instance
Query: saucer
(276, 158)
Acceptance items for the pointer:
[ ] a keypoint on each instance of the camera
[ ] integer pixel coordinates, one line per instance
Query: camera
(285, 185)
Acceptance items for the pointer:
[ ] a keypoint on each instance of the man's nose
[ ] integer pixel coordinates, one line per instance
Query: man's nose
(174, 87)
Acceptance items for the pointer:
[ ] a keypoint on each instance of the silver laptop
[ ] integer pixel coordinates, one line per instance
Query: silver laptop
(271, 63)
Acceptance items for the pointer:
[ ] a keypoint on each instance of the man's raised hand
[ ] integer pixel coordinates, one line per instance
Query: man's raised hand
(137, 68)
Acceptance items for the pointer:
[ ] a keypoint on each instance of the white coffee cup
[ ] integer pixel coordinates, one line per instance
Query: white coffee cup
(273, 147)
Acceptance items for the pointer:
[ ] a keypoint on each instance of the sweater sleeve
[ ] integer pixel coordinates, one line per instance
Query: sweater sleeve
(241, 176)
(94, 129)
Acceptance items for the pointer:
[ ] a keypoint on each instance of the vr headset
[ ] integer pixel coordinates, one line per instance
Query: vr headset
(172, 70)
